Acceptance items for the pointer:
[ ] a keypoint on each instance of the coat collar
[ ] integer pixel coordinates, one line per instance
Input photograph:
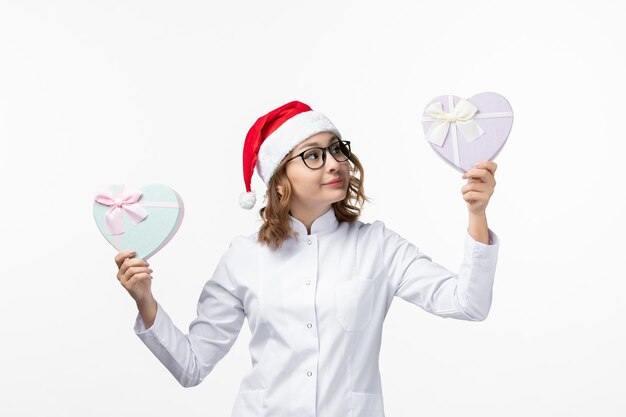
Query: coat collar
(327, 222)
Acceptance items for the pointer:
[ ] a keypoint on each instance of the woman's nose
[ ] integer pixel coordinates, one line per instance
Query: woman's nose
(331, 162)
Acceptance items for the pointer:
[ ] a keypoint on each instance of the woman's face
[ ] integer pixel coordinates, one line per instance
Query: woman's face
(311, 188)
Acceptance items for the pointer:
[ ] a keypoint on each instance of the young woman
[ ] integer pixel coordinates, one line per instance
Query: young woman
(314, 282)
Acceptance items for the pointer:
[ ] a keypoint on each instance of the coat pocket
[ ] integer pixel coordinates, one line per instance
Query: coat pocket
(248, 403)
(367, 405)
(354, 302)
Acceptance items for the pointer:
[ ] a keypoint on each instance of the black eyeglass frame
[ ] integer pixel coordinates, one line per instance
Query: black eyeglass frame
(346, 143)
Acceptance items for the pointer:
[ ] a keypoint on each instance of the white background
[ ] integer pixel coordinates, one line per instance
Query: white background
(96, 93)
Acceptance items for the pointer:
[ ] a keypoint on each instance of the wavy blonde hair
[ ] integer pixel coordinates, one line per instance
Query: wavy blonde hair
(276, 227)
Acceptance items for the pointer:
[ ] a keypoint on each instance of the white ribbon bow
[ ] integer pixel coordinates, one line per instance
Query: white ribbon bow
(462, 116)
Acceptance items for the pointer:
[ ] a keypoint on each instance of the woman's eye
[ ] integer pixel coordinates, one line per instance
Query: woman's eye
(335, 149)
(311, 155)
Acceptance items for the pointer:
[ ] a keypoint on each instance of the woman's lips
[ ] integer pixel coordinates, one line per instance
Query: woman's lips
(338, 181)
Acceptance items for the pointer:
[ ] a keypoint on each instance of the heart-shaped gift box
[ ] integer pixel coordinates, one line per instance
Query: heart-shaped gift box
(143, 220)
(464, 132)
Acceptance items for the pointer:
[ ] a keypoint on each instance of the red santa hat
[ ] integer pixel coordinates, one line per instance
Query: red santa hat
(273, 136)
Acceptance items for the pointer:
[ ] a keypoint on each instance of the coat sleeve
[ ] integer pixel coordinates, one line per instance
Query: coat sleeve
(220, 314)
(465, 295)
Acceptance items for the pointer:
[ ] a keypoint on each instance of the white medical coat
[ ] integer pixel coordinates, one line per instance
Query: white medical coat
(315, 309)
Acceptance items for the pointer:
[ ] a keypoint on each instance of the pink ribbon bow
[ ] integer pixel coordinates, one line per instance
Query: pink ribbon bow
(128, 202)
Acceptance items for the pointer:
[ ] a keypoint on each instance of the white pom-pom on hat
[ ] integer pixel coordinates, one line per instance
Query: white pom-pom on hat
(273, 136)
(247, 199)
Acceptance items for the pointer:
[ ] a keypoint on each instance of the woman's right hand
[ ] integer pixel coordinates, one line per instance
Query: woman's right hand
(135, 276)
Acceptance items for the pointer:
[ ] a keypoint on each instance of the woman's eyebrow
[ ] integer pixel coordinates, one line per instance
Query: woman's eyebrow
(317, 144)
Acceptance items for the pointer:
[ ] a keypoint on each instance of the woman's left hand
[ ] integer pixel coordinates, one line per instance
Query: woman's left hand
(479, 187)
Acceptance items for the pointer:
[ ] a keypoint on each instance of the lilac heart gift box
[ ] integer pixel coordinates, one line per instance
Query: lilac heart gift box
(466, 131)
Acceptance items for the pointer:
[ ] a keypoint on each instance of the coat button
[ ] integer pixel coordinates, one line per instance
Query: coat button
(309, 373)
(309, 325)
(308, 282)
(308, 242)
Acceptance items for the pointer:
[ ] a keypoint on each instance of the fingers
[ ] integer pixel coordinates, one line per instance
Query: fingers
(485, 166)
(483, 193)
(130, 283)
(482, 172)
(125, 260)
(475, 196)
(129, 266)
(488, 165)
(475, 186)
(134, 272)
(121, 256)
(479, 185)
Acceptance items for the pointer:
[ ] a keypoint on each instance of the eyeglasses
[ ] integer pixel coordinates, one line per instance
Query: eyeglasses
(315, 158)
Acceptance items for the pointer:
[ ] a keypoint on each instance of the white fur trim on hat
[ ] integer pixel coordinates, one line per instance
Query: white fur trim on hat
(295, 130)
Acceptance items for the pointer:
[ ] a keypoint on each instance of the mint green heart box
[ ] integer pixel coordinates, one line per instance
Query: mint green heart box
(141, 219)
